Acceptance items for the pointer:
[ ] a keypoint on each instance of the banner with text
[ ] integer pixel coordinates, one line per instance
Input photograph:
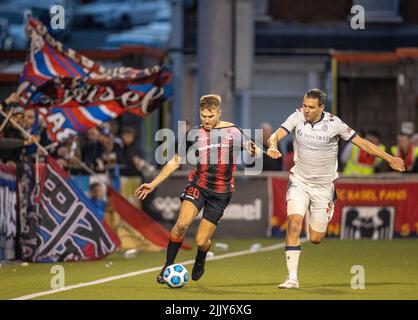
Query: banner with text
(70, 227)
(376, 210)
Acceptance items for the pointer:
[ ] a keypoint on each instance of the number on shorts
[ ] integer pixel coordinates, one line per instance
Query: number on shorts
(194, 192)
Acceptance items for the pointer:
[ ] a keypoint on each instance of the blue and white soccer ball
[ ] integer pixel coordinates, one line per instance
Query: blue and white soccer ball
(176, 276)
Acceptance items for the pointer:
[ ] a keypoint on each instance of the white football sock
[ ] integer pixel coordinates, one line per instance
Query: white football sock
(292, 261)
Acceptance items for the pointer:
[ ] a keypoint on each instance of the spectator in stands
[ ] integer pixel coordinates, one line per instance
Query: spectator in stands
(408, 152)
(114, 130)
(116, 142)
(346, 151)
(92, 150)
(130, 158)
(17, 116)
(359, 162)
(29, 119)
(98, 195)
(12, 140)
(30, 124)
(288, 159)
(414, 139)
(68, 154)
(269, 164)
(106, 139)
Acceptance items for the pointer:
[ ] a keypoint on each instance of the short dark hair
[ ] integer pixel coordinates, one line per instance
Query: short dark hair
(94, 185)
(403, 133)
(317, 94)
(374, 133)
(128, 129)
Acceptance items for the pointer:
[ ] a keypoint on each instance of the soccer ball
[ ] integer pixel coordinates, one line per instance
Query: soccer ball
(176, 276)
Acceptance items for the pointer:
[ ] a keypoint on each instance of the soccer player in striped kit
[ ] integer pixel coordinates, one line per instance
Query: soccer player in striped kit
(312, 179)
(214, 145)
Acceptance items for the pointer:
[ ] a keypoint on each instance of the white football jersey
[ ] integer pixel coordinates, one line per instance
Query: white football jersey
(316, 146)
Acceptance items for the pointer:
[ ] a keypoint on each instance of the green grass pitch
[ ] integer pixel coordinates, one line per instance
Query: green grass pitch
(391, 272)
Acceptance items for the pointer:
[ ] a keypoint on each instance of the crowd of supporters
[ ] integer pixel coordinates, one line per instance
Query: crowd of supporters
(105, 147)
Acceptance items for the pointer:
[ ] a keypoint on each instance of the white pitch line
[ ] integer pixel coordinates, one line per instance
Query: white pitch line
(139, 272)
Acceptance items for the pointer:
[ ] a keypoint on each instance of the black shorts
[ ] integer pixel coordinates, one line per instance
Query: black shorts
(214, 203)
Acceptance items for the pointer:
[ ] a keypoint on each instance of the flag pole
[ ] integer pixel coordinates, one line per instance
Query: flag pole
(37, 180)
(87, 168)
(9, 115)
(42, 148)
(26, 134)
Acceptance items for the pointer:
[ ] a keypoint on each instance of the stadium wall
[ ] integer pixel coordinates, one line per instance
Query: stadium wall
(381, 206)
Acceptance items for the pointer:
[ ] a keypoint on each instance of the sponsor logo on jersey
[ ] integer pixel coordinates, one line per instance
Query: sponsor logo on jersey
(213, 145)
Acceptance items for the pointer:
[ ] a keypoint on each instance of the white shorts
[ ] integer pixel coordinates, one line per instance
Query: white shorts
(317, 199)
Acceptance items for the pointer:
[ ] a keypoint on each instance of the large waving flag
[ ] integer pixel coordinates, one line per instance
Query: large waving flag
(68, 226)
(75, 93)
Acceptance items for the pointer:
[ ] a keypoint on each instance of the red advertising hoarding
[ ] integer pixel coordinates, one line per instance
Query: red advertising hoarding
(366, 208)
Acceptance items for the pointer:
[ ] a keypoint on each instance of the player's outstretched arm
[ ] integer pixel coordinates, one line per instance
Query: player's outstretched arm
(273, 151)
(146, 188)
(394, 162)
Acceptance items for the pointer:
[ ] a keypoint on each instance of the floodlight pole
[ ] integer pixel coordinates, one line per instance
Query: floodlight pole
(214, 50)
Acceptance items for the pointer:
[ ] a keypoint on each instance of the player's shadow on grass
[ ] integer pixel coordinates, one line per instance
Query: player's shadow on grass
(347, 285)
(252, 284)
(215, 289)
(323, 288)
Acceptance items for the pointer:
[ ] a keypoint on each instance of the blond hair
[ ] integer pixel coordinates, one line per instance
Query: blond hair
(210, 101)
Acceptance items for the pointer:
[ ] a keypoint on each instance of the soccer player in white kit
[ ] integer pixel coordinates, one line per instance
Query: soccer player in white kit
(312, 179)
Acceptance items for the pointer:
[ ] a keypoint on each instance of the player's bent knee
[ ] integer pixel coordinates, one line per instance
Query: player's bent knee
(180, 229)
(316, 236)
(318, 224)
(316, 240)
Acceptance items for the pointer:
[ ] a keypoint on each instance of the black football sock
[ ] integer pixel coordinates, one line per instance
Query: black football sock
(172, 250)
(201, 256)
(199, 264)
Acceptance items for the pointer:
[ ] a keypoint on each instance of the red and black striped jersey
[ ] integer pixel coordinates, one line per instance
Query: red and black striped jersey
(215, 152)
